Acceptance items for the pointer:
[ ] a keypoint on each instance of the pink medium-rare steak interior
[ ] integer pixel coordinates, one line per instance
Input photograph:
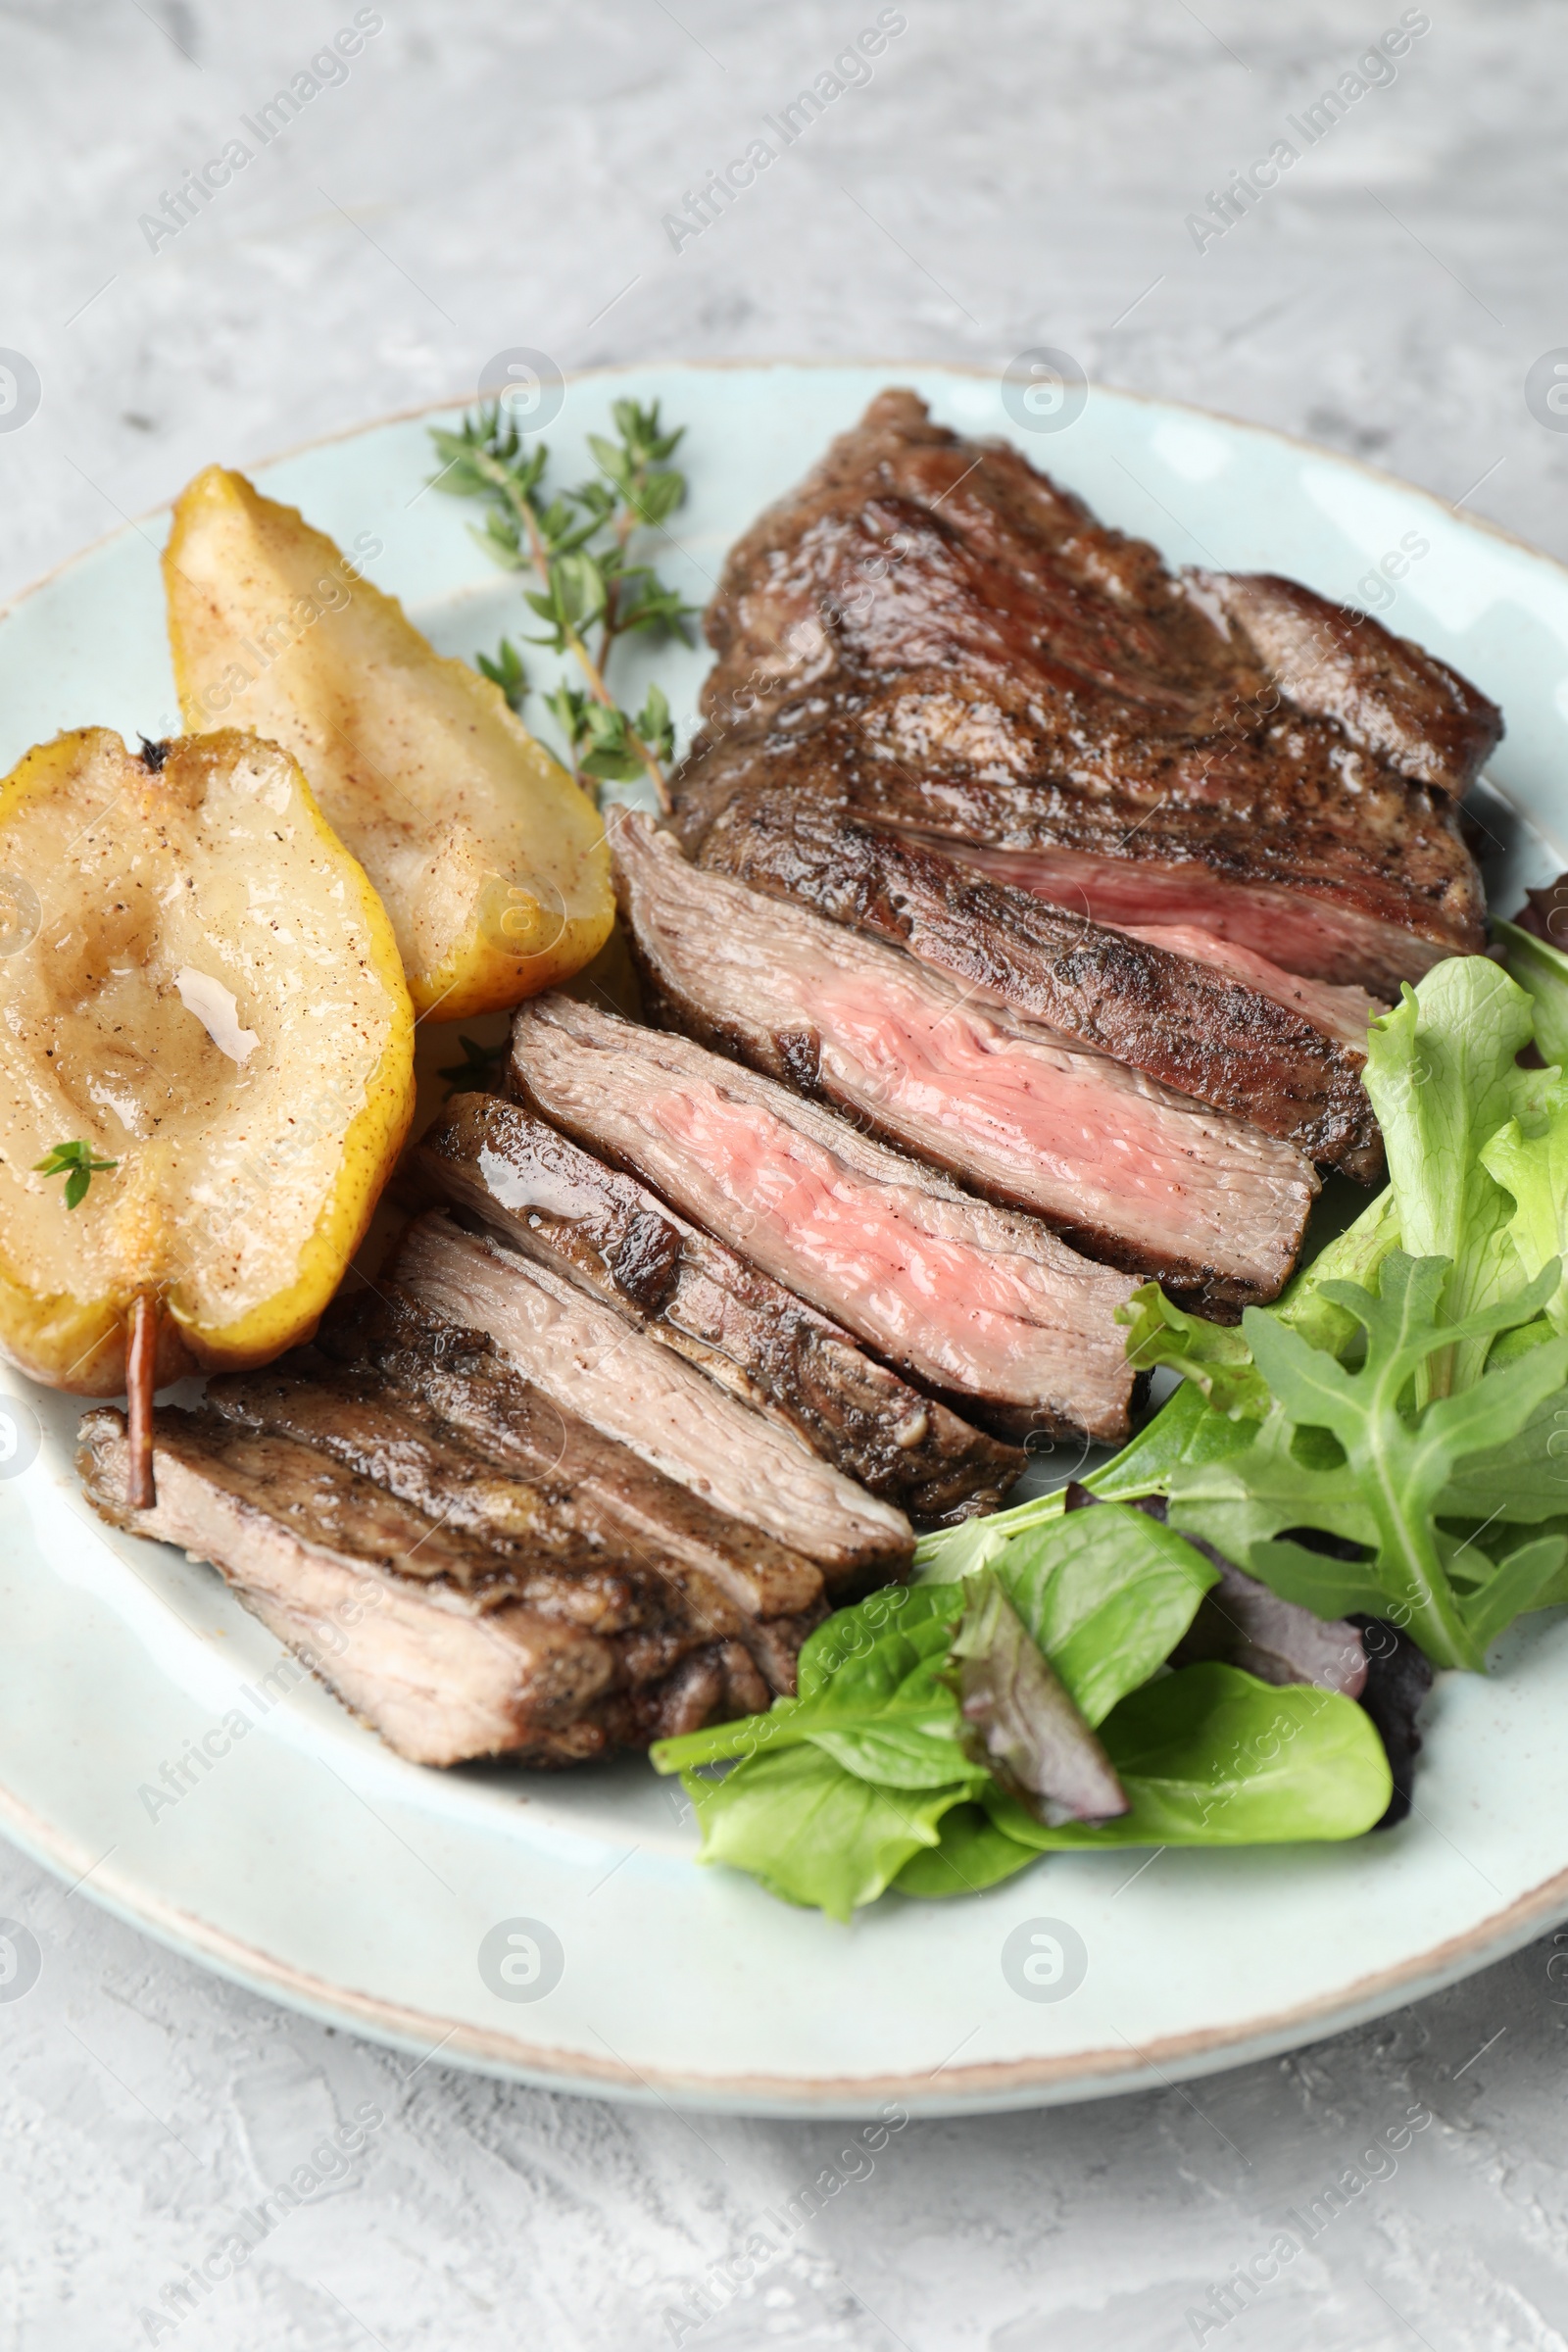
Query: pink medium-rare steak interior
(1145, 1178)
(984, 1305)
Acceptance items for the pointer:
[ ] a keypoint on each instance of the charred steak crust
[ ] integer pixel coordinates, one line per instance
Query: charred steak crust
(1177, 1019)
(557, 1202)
(941, 638)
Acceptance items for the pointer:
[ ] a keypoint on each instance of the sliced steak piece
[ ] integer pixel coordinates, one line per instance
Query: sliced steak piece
(530, 1504)
(338, 1569)
(1389, 695)
(1214, 1034)
(558, 1203)
(586, 1355)
(1146, 1178)
(940, 638)
(981, 1304)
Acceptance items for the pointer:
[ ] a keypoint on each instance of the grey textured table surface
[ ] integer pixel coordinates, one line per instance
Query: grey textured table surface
(490, 174)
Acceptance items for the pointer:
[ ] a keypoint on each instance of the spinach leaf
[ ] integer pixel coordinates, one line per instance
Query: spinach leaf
(1213, 1757)
(973, 1854)
(872, 1694)
(1108, 1595)
(812, 1833)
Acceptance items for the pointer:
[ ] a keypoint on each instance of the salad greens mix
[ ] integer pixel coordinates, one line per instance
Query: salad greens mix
(1391, 1437)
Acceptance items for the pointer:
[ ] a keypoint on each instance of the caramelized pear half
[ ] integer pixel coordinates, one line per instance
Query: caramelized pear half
(205, 990)
(489, 860)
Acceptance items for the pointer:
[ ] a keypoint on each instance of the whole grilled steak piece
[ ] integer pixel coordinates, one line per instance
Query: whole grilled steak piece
(1145, 1178)
(982, 1305)
(556, 1202)
(588, 1357)
(525, 1596)
(1176, 1018)
(939, 638)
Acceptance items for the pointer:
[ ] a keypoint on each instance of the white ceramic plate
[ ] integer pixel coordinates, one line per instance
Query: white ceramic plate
(310, 1863)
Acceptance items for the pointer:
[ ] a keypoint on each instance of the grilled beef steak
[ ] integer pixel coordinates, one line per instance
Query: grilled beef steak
(984, 1306)
(588, 1357)
(932, 635)
(558, 1203)
(1179, 1021)
(500, 1582)
(1145, 1178)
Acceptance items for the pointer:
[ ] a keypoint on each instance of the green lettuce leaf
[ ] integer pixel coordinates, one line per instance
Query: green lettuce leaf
(1215, 1360)
(1444, 1077)
(1213, 1757)
(1534, 1171)
(1542, 971)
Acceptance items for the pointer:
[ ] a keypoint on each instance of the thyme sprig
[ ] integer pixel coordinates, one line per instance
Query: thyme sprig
(79, 1163)
(591, 593)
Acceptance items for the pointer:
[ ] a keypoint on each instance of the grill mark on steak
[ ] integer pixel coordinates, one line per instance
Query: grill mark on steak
(1175, 1018)
(980, 1304)
(588, 1357)
(1138, 1175)
(939, 638)
(560, 1204)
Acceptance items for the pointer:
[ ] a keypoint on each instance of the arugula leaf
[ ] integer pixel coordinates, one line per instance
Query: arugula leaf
(1211, 1358)
(814, 1833)
(1213, 1757)
(1444, 1077)
(1541, 971)
(1397, 1465)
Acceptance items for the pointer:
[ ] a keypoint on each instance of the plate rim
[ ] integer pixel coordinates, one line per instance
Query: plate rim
(576, 375)
(992, 2086)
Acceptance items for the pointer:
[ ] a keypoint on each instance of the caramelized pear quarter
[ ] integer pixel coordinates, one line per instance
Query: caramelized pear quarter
(490, 860)
(207, 994)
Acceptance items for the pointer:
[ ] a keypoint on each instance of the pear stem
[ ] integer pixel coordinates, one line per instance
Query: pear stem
(141, 1365)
